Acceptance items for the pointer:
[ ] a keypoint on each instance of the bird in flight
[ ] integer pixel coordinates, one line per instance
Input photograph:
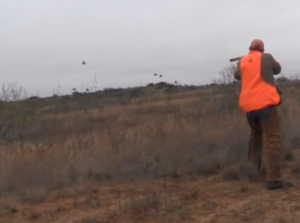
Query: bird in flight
(83, 63)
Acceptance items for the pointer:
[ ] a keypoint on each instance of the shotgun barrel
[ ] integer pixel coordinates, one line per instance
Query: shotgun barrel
(235, 59)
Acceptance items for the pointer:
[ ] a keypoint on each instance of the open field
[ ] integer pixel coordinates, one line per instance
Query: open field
(174, 158)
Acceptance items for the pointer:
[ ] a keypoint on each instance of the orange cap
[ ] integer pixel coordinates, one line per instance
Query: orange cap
(257, 44)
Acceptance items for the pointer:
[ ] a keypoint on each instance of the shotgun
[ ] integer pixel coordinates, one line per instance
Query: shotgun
(235, 59)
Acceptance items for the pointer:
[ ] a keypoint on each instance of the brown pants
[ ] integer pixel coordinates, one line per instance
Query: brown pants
(266, 121)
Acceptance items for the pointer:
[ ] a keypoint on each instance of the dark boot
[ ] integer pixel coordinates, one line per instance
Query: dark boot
(273, 185)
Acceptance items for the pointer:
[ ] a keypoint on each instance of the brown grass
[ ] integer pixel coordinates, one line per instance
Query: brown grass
(50, 156)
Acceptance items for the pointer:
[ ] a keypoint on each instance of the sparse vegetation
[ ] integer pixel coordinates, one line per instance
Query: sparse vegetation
(53, 148)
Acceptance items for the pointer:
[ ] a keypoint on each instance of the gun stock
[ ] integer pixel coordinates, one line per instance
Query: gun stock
(235, 59)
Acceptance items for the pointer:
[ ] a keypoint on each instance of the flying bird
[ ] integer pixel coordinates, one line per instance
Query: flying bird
(155, 74)
(83, 63)
(160, 76)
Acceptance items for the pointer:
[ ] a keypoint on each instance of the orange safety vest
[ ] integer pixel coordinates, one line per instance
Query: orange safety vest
(255, 92)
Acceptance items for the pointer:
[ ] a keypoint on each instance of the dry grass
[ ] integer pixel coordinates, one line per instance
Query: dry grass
(59, 154)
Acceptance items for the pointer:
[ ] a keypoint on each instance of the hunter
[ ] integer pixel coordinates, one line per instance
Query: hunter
(259, 98)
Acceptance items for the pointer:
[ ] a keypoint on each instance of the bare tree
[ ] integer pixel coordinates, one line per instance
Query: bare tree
(227, 92)
(12, 116)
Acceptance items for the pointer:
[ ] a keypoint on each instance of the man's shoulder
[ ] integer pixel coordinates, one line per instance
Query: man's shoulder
(268, 55)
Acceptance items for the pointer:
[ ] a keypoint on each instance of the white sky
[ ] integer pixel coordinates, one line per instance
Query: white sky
(124, 42)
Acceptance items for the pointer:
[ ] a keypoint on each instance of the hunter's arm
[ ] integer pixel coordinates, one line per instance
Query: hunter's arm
(276, 67)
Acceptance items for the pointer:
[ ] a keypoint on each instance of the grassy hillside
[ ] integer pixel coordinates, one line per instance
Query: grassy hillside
(54, 147)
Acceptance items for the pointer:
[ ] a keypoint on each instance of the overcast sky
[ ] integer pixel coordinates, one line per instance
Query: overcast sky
(124, 42)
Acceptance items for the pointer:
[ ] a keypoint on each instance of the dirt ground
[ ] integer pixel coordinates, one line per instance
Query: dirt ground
(202, 200)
